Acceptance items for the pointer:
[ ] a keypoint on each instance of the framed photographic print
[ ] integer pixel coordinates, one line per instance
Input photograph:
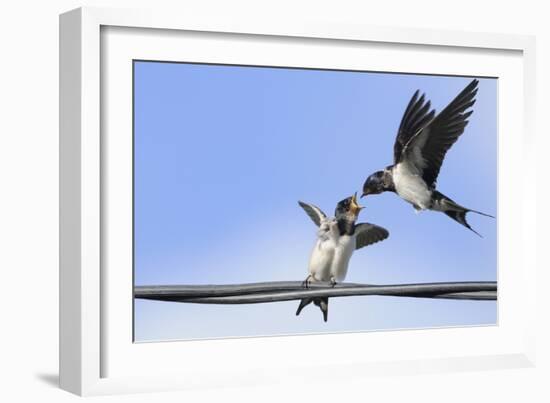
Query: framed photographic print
(249, 191)
(222, 153)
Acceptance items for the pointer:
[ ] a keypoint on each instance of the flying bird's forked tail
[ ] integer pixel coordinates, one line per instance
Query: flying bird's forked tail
(321, 302)
(455, 211)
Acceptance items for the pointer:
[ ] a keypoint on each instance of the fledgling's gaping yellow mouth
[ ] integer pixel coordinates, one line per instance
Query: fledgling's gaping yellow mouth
(355, 208)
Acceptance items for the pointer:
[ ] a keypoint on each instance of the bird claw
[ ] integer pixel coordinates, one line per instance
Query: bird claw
(305, 283)
(332, 282)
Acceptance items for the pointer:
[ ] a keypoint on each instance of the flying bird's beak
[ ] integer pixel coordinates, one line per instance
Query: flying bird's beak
(365, 193)
(354, 206)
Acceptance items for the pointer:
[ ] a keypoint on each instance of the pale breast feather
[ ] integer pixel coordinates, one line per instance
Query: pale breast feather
(342, 255)
(410, 186)
(321, 259)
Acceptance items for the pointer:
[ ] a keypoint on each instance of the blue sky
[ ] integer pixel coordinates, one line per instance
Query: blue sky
(223, 154)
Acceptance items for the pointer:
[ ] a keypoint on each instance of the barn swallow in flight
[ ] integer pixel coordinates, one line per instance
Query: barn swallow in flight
(422, 141)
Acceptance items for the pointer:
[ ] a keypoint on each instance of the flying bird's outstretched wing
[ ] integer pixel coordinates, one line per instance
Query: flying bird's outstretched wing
(314, 212)
(416, 116)
(423, 140)
(367, 234)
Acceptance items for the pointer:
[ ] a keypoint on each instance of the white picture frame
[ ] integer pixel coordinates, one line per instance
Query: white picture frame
(97, 357)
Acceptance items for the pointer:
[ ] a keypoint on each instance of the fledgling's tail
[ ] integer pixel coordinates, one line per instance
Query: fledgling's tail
(303, 303)
(455, 210)
(321, 302)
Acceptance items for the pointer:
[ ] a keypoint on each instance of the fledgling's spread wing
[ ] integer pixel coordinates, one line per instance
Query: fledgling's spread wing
(367, 234)
(314, 212)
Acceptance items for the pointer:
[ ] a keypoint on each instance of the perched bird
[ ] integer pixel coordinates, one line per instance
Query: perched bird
(422, 141)
(337, 239)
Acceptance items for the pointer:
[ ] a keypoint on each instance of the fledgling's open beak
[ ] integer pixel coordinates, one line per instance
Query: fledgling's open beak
(355, 208)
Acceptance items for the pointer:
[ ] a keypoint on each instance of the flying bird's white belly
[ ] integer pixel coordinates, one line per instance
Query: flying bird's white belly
(342, 254)
(411, 187)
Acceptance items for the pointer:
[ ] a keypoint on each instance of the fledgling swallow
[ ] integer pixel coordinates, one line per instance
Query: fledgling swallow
(422, 141)
(337, 239)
